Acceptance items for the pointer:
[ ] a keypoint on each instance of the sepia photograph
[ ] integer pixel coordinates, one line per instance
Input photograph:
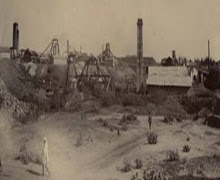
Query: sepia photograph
(109, 89)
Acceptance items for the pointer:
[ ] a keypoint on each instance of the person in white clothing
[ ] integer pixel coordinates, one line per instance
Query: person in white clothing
(45, 157)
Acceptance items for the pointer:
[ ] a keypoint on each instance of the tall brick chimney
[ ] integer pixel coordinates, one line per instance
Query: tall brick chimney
(139, 55)
(15, 41)
(173, 54)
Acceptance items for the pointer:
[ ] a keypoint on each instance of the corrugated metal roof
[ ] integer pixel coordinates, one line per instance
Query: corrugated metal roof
(169, 76)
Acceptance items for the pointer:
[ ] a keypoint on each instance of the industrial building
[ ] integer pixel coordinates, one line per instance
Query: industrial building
(169, 80)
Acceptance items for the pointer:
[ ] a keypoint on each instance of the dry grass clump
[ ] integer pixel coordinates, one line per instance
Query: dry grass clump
(168, 119)
(152, 138)
(128, 119)
(186, 148)
(149, 175)
(173, 155)
(126, 167)
(138, 164)
(107, 125)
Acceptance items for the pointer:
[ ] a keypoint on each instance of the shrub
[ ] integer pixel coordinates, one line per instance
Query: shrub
(135, 177)
(152, 138)
(168, 120)
(108, 99)
(132, 99)
(126, 166)
(173, 155)
(138, 163)
(128, 119)
(153, 175)
(186, 148)
(193, 104)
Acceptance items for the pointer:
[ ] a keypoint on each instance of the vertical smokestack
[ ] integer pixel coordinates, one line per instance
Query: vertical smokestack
(68, 47)
(208, 50)
(139, 54)
(173, 54)
(107, 50)
(17, 40)
(15, 36)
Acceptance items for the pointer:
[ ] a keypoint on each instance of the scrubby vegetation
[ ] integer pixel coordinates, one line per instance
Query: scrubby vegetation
(149, 175)
(186, 148)
(173, 155)
(138, 164)
(126, 167)
(152, 138)
(193, 104)
(128, 119)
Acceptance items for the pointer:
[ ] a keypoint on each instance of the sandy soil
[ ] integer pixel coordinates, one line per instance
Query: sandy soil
(101, 151)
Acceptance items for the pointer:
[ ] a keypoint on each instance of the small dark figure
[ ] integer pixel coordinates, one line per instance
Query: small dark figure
(118, 133)
(0, 164)
(149, 120)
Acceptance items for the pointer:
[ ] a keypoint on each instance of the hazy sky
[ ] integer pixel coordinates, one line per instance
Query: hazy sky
(183, 25)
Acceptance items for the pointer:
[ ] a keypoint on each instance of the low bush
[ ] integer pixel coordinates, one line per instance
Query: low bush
(128, 119)
(152, 138)
(173, 155)
(193, 104)
(136, 177)
(138, 164)
(186, 148)
(168, 120)
(126, 166)
(153, 175)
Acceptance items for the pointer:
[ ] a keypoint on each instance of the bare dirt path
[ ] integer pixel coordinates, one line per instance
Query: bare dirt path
(99, 160)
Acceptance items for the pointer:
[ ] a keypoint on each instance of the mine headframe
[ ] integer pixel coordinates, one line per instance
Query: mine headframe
(92, 74)
(53, 49)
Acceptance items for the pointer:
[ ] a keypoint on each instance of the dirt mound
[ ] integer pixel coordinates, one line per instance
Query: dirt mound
(19, 110)
(13, 74)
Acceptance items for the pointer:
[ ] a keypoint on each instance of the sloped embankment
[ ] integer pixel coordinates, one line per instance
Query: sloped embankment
(19, 110)
(16, 97)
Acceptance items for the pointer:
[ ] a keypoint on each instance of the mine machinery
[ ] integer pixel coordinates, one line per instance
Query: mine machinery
(91, 74)
(53, 49)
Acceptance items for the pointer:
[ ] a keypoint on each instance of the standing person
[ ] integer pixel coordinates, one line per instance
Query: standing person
(149, 120)
(45, 157)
